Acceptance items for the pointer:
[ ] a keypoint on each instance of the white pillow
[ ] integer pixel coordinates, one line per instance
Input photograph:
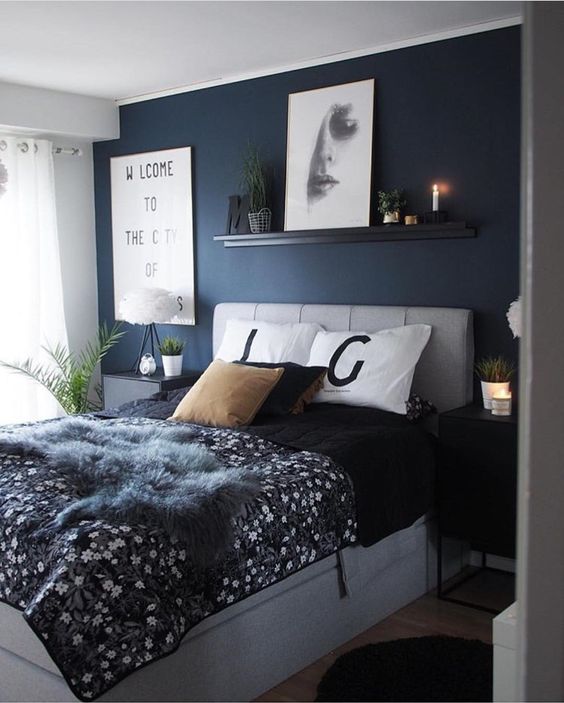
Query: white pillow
(251, 340)
(374, 370)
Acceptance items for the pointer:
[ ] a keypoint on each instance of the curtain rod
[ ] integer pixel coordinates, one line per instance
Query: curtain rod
(65, 150)
(68, 150)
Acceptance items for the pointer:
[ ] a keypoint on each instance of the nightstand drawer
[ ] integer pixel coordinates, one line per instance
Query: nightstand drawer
(119, 388)
(122, 390)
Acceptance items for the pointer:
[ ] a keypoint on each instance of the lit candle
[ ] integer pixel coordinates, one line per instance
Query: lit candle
(501, 403)
(435, 197)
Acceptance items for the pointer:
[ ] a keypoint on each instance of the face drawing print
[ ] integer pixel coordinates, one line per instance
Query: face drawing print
(338, 127)
(329, 157)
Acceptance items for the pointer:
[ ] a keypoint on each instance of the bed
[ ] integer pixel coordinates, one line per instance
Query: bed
(242, 650)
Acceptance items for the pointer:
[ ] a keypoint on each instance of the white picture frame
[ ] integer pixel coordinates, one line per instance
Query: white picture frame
(329, 157)
(152, 226)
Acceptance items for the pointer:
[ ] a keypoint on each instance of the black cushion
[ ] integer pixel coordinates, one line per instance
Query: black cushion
(294, 384)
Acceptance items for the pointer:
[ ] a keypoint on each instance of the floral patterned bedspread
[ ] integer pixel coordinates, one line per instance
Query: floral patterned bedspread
(106, 598)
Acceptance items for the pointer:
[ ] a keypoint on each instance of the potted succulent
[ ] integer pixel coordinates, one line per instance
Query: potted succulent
(494, 373)
(171, 349)
(389, 205)
(253, 181)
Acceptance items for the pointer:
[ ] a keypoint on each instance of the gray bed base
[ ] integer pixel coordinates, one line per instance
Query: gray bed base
(251, 646)
(248, 648)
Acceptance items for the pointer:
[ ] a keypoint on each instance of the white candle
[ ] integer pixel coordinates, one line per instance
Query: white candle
(435, 198)
(501, 403)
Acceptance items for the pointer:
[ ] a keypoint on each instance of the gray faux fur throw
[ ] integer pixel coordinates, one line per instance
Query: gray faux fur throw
(141, 474)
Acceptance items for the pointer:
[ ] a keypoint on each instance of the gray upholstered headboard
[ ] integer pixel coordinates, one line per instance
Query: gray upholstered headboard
(444, 372)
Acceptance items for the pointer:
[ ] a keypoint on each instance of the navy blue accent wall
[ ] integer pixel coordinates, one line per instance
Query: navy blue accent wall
(447, 111)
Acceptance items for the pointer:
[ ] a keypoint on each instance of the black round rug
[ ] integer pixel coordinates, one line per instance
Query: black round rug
(414, 669)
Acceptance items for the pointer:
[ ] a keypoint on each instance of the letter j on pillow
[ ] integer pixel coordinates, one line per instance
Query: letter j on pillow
(374, 370)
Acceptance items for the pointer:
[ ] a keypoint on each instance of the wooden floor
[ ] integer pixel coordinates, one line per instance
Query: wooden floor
(425, 616)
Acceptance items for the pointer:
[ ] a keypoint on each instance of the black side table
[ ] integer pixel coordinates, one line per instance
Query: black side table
(122, 387)
(477, 484)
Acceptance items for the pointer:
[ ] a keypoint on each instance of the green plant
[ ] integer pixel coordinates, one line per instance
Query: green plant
(253, 179)
(171, 346)
(70, 376)
(390, 201)
(494, 369)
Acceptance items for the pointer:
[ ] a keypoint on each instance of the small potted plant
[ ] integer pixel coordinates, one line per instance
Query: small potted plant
(171, 349)
(389, 205)
(494, 373)
(253, 181)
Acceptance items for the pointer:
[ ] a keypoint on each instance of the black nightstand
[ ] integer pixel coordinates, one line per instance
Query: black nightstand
(477, 483)
(122, 387)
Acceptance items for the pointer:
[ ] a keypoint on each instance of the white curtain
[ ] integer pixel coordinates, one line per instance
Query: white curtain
(31, 294)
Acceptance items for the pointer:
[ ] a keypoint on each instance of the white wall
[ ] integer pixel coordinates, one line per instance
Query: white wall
(55, 112)
(74, 188)
(540, 572)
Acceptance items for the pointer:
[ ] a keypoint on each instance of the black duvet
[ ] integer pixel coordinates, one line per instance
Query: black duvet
(389, 459)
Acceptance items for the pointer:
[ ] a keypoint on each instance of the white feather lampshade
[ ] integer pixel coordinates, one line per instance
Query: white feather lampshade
(143, 306)
(514, 317)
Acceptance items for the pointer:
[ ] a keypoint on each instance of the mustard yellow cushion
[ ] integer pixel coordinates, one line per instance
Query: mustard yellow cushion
(227, 395)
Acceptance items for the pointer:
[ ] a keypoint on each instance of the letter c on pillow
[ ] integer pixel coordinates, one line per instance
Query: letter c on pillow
(331, 377)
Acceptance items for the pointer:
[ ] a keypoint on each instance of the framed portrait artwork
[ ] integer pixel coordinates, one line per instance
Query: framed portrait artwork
(152, 228)
(329, 157)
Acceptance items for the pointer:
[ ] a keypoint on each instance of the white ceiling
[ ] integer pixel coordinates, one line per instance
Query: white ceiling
(129, 48)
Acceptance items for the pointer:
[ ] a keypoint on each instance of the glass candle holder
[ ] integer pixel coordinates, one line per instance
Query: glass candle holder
(501, 403)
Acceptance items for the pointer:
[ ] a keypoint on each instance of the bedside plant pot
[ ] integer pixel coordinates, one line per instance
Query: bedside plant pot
(172, 365)
(260, 221)
(490, 389)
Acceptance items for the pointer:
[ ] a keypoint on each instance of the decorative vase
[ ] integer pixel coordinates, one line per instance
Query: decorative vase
(490, 389)
(172, 365)
(260, 221)
(391, 217)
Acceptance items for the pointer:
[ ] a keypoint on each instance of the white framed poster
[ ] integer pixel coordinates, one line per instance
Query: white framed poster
(329, 157)
(153, 239)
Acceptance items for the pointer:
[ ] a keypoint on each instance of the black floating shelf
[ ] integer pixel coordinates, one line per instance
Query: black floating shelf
(348, 235)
